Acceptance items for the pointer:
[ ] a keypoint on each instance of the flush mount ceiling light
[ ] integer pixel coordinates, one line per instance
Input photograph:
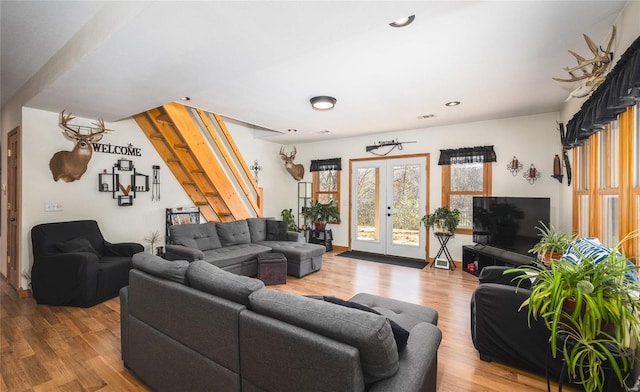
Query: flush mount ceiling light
(452, 103)
(403, 21)
(323, 102)
(185, 99)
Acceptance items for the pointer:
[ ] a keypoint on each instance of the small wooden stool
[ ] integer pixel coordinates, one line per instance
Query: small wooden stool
(272, 268)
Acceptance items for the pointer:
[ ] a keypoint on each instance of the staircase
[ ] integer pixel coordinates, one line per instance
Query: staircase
(199, 151)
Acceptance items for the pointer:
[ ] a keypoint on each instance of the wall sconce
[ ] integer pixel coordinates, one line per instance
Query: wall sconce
(514, 166)
(255, 168)
(531, 175)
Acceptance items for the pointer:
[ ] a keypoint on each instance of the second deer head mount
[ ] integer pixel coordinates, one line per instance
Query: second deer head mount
(71, 165)
(295, 169)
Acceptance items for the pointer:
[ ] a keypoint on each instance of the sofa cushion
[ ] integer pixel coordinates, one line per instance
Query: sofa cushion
(78, 244)
(157, 266)
(277, 230)
(233, 233)
(235, 254)
(400, 335)
(195, 235)
(211, 279)
(257, 229)
(369, 333)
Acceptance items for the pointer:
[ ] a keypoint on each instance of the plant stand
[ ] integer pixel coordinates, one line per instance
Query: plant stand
(443, 238)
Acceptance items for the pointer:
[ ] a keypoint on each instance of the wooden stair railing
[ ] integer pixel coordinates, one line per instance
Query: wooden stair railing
(181, 136)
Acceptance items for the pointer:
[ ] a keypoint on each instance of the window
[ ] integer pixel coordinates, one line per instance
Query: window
(607, 196)
(466, 172)
(326, 180)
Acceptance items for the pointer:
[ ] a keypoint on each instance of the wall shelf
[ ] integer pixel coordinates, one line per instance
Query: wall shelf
(112, 182)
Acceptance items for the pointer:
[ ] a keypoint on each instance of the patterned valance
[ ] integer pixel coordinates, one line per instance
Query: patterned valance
(326, 164)
(467, 155)
(620, 90)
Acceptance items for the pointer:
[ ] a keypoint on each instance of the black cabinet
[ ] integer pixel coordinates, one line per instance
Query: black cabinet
(476, 257)
(321, 237)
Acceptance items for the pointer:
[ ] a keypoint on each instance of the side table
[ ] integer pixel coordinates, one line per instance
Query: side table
(322, 237)
(443, 238)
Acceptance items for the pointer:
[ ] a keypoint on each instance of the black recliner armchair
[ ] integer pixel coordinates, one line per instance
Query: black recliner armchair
(73, 265)
(500, 332)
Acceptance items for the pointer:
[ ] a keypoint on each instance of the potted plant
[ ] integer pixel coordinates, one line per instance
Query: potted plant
(592, 311)
(321, 213)
(443, 219)
(553, 243)
(287, 216)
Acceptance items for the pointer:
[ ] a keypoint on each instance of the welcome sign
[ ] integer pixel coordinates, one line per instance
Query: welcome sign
(129, 150)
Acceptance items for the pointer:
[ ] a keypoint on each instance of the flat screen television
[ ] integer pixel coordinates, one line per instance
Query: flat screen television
(509, 223)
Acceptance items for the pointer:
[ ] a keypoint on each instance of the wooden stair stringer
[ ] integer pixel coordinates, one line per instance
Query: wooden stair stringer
(155, 130)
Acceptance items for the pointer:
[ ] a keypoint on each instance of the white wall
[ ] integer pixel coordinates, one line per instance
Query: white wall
(41, 138)
(533, 139)
(81, 199)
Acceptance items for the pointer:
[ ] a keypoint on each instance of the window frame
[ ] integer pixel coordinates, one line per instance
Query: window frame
(590, 187)
(315, 189)
(447, 192)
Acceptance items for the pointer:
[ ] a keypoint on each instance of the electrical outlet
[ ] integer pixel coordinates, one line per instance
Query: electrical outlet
(53, 206)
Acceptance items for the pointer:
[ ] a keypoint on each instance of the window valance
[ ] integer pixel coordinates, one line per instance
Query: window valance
(326, 164)
(620, 90)
(467, 155)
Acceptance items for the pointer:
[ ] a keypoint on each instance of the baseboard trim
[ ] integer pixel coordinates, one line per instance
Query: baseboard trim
(22, 293)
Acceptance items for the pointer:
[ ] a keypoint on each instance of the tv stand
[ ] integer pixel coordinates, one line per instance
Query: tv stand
(483, 255)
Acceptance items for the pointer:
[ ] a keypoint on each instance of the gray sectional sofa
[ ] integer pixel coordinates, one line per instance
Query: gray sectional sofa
(235, 246)
(190, 326)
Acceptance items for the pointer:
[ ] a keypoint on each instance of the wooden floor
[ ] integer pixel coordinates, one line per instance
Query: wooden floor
(47, 348)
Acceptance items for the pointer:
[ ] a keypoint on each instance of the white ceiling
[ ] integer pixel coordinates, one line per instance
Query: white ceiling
(259, 62)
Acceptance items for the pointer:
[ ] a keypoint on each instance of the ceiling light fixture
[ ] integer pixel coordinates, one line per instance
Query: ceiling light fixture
(403, 21)
(323, 102)
(452, 103)
(185, 99)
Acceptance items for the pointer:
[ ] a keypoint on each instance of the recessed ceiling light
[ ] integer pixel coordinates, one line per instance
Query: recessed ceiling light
(452, 103)
(185, 99)
(323, 102)
(403, 21)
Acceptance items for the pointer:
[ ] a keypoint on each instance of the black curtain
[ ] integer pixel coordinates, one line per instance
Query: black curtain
(326, 164)
(620, 90)
(467, 155)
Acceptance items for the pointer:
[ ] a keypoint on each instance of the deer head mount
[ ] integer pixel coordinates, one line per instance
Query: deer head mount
(295, 169)
(71, 165)
(592, 71)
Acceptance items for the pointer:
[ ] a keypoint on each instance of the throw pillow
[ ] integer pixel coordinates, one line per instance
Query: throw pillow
(400, 334)
(590, 247)
(276, 230)
(78, 244)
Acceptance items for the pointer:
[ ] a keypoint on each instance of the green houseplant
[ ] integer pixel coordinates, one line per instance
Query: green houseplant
(442, 219)
(553, 243)
(321, 213)
(592, 311)
(287, 216)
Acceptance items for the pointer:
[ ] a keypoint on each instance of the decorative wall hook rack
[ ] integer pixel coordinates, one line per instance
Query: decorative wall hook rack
(531, 174)
(514, 166)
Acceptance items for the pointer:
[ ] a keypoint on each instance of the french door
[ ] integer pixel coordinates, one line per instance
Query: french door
(388, 200)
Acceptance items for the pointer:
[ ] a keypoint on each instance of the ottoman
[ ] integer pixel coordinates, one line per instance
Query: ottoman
(272, 268)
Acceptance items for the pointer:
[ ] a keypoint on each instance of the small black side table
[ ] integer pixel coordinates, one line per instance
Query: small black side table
(322, 237)
(443, 238)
